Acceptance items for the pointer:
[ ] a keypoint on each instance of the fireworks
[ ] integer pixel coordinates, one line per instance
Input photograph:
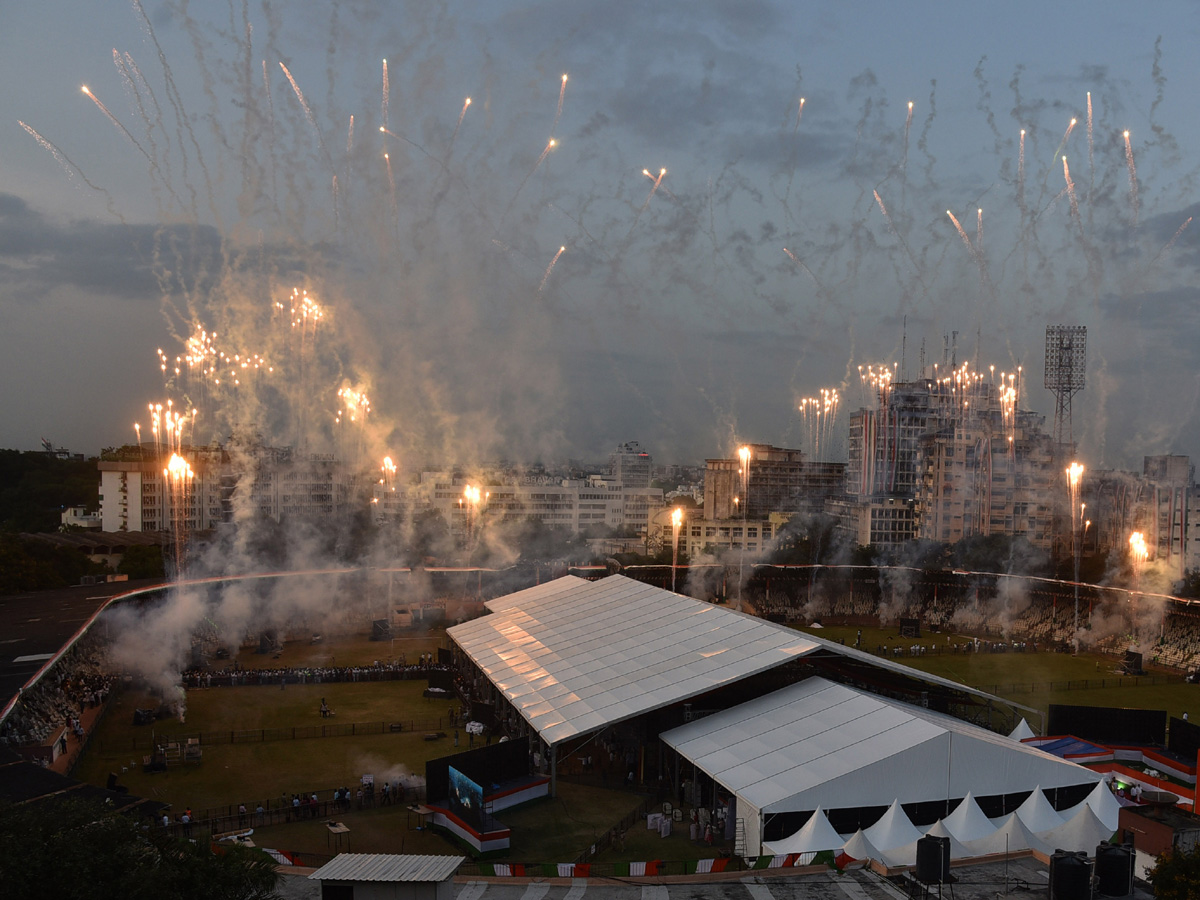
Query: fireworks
(550, 268)
(389, 474)
(819, 418)
(962, 234)
(561, 93)
(1171, 243)
(1133, 184)
(676, 524)
(1138, 551)
(799, 113)
(1070, 189)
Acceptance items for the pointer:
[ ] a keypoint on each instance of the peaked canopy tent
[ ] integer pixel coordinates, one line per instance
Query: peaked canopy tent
(819, 743)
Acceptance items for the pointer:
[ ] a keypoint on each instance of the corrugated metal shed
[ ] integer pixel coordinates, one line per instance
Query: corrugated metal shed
(822, 743)
(573, 655)
(387, 867)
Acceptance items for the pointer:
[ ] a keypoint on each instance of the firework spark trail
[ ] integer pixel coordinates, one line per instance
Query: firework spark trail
(561, 93)
(70, 168)
(1057, 153)
(312, 119)
(350, 137)
(907, 129)
(962, 234)
(391, 185)
(457, 125)
(550, 145)
(1133, 183)
(820, 287)
(979, 229)
(1091, 153)
(182, 122)
(117, 123)
(270, 128)
(799, 113)
(67, 166)
(550, 268)
(899, 237)
(1021, 177)
(336, 215)
(1070, 189)
(411, 143)
(649, 197)
(386, 95)
(1171, 243)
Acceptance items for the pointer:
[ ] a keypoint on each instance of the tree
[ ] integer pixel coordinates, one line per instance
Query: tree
(36, 487)
(69, 849)
(28, 564)
(141, 562)
(1176, 874)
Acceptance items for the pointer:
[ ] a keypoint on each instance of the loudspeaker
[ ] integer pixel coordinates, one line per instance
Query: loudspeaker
(933, 860)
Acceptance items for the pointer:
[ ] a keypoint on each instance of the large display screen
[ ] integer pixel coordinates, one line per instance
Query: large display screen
(466, 799)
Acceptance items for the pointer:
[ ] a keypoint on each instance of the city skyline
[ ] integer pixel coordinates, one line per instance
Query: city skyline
(497, 302)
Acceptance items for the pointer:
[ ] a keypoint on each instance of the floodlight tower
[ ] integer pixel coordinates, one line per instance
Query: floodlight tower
(1066, 367)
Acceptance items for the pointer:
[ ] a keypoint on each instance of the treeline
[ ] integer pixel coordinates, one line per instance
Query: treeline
(36, 487)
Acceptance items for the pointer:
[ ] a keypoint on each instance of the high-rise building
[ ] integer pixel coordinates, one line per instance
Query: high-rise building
(776, 480)
(631, 466)
(944, 459)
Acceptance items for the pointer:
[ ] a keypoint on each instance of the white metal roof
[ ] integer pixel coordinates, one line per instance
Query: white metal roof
(822, 743)
(387, 867)
(573, 655)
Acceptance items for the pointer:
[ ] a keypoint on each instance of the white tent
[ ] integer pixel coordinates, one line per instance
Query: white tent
(1037, 814)
(1102, 802)
(573, 656)
(1082, 832)
(1022, 731)
(860, 848)
(822, 743)
(967, 822)
(1010, 837)
(816, 834)
(907, 855)
(895, 829)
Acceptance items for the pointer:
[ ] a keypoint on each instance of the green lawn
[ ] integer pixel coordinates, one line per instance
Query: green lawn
(1029, 673)
(552, 830)
(250, 772)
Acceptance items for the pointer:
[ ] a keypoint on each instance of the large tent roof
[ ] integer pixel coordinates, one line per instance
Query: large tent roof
(822, 743)
(573, 655)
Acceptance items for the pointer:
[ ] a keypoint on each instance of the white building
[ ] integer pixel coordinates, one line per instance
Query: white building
(226, 483)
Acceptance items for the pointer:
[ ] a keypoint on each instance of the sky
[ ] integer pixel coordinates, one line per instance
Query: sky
(499, 297)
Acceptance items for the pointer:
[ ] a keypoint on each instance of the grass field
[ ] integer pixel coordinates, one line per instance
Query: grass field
(550, 830)
(250, 772)
(1032, 674)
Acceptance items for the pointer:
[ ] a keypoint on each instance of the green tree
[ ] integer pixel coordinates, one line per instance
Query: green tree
(68, 849)
(28, 564)
(36, 487)
(1176, 875)
(141, 562)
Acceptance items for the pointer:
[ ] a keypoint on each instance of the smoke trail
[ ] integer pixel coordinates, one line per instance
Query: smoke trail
(1171, 243)
(72, 170)
(383, 103)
